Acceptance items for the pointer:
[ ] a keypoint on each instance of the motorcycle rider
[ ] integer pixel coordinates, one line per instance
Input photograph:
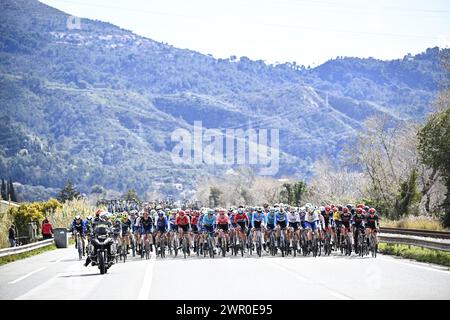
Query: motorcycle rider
(102, 227)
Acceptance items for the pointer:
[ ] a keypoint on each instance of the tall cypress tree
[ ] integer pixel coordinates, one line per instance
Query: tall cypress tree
(4, 193)
(12, 192)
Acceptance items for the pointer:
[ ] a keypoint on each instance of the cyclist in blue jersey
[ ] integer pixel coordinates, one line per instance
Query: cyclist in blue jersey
(162, 225)
(258, 220)
(269, 223)
(209, 226)
(281, 220)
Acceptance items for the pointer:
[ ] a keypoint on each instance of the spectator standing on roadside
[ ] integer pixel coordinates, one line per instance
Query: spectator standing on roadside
(47, 229)
(12, 235)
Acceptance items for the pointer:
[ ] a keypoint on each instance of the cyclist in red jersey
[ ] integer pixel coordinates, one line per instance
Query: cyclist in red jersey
(183, 222)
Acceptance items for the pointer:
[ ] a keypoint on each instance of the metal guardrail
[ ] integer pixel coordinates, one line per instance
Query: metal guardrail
(25, 248)
(428, 243)
(417, 232)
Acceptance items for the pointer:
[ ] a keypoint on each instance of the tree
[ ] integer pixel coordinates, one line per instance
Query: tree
(293, 193)
(434, 150)
(4, 191)
(69, 192)
(11, 191)
(130, 195)
(387, 154)
(214, 196)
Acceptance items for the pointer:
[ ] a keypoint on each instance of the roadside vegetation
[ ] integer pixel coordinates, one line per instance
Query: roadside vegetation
(416, 253)
(420, 222)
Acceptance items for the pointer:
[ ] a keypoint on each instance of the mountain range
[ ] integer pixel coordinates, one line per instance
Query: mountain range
(97, 104)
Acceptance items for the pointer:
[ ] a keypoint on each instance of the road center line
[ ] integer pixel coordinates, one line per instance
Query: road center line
(27, 275)
(144, 293)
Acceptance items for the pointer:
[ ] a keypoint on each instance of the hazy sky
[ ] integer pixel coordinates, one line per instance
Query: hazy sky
(306, 31)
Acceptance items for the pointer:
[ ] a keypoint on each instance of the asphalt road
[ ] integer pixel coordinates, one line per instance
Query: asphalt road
(58, 274)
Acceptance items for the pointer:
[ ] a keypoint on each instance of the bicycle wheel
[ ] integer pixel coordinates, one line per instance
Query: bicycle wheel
(80, 248)
(175, 246)
(147, 251)
(319, 247)
(259, 245)
(224, 246)
(183, 245)
(210, 247)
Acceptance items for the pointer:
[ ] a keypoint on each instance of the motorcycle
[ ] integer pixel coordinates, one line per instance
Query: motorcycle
(101, 244)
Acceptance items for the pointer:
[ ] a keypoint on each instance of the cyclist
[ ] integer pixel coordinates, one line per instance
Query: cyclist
(311, 221)
(183, 222)
(223, 223)
(126, 231)
(327, 215)
(270, 224)
(209, 224)
(293, 218)
(146, 229)
(372, 224)
(358, 226)
(336, 227)
(89, 225)
(321, 224)
(281, 220)
(78, 225)
(194, 227)
(241, 221)
(162, 226)
(258, 221)
(346, 218)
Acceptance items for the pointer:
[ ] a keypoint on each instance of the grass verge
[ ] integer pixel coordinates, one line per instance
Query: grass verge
(416, 253)
(23, 255)
(422, 223)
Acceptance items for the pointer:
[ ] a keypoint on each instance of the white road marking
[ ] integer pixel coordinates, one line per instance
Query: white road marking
(338, 295)
(144, 293)
(333, 292)
(411, 264)
(27, 275)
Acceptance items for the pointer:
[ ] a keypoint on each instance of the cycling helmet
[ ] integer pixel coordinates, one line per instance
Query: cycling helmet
(158, 207)
(161, 214)
(89, 218)
(321, 208)
(221, 211)
(345, 209)
(103, 216)
(308, 207)
(361, 205)
(97, 213)
(152, 212)
(327, 208)
(359, 210)
(181, 212)
(210, 211)
(372, 210)
(366, 208)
